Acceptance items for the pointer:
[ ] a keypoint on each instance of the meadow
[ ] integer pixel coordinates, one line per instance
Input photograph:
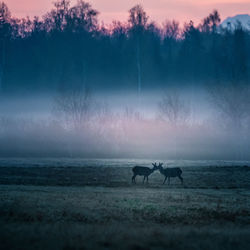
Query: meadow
(99, 208)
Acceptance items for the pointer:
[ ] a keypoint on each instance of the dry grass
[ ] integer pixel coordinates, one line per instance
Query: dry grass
(194, 177)
(101, 209)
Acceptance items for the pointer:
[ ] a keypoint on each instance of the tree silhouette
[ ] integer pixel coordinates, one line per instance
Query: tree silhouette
(173, 109)
(67, 46)
(74, 107)
(138, 21)
(5, 33)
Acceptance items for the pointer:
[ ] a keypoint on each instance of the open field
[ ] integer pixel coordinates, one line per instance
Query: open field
(99, 208)
(230, 177)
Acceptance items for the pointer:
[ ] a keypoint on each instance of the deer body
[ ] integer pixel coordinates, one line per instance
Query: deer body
(143, 171)
(170, 172)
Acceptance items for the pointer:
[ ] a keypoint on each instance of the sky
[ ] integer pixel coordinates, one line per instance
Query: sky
(158, 10)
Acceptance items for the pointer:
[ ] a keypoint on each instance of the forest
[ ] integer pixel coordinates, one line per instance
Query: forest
(68, 47)
(133, 89)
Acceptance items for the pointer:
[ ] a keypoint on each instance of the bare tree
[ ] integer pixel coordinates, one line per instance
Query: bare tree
(232, 102)
(137, 16)
(171, 29)
(173, 108)
(211, 23)
(130, 114)
(75, 106)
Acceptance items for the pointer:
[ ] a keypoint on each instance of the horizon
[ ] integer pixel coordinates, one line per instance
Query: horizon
(110, 10)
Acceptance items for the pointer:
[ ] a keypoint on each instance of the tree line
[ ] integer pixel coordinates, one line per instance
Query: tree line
(68, 47)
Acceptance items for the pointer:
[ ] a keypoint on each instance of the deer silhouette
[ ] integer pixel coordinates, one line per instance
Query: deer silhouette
(143, 171)
(170, 172)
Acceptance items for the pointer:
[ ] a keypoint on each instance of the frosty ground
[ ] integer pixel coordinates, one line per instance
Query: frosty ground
(99, 208)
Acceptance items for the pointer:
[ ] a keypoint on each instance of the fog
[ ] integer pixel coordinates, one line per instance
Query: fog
(71, 86)
(167, 124)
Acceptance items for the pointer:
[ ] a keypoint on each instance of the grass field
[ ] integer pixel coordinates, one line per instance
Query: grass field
(99, 208)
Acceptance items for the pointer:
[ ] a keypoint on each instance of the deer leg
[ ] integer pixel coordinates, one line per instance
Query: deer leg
(147, 179)
(181, 179)
(133, 178)
(144, 179)
(168, 180)
(164, 180)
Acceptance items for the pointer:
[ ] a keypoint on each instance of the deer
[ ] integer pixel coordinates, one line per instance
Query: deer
(143, 171)
(170, 172)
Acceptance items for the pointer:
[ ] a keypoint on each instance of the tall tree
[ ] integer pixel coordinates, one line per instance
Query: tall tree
(171, 33)
(5, 33)
(138, 21)
(211, 22)
(239, 56)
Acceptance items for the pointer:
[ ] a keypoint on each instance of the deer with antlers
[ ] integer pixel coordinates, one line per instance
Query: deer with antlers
(143, 171)
(170, 172)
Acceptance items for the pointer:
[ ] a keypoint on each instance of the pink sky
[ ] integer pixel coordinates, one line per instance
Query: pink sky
(158, 10)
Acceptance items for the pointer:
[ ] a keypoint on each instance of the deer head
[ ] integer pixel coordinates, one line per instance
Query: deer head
(160, 165)
(155, 167)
